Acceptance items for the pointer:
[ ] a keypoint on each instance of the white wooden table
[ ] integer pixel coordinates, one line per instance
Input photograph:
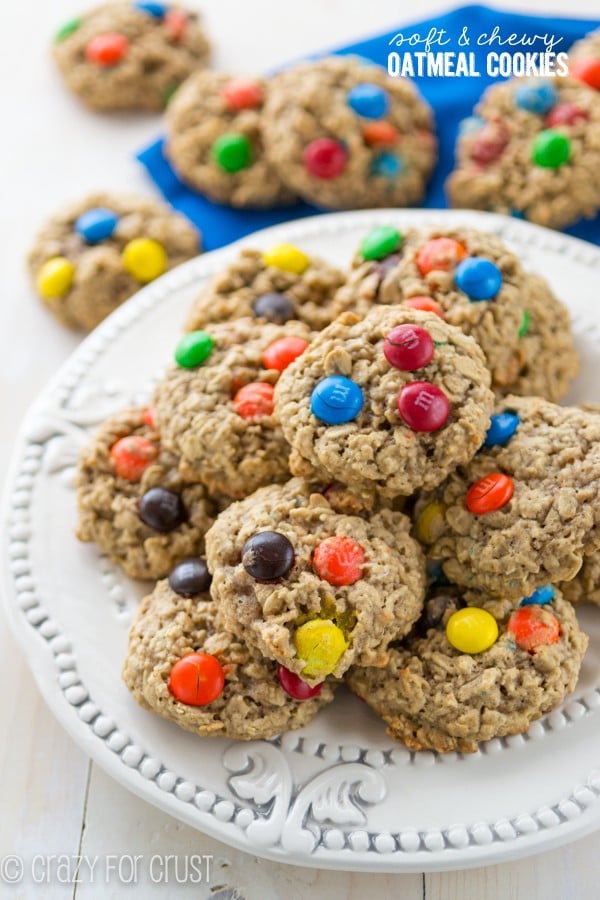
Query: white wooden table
(53, 801)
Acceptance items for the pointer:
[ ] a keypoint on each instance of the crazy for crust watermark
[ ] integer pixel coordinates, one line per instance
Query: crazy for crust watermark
(423, 54)
(112, 868)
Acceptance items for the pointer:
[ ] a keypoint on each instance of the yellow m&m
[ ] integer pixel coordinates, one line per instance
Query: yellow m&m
(430, 522)
(287, 257)
(55, 277)
(320, 644)
(144, 259)
(472, 630)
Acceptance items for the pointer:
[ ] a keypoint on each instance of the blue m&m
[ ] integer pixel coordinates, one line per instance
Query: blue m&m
(387, 164)
(536, 97)
(502, 427)
(152, 8)
(336, 400)
(95, 225)
(369, 101)
(479, 278)
(540, 597)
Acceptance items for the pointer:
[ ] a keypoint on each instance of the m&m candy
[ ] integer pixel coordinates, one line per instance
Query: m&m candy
(380, 242)
(565, 114)
(282, 352)
(193, 349)
(408, 347)
(176, 24)
(287, 258)
(540, 597)
(489, 143)
(268, 556)
(502, 427)
(325, 158)
(106, 50)
(197, 679)
(533, 626)
(149, 417)
(67, 30)
(232, 152)
(478, 277)
(423, 406)
(472, 630)
(319, 644)
(55, 277)
(336, 400)
(439, 254)
(95, 225)
(525, 323)
(274, 307)
(369, 101)
(131, 456)
(425, 304)
(242, 93)
(489, 494)
(586, 70)
(470, 125)
(339, 560)
(254, 400)
(144, 259)
(430, 522)
(295, 687)
(162, 510)
(536, 96)
(387, 164)
(550, 149)
(380, 133)
(152, 8)
(190, 577)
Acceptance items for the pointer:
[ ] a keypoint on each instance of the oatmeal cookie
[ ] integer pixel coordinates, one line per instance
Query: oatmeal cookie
(242, 697)
(435, 695)
(523, 330)
(130, 55)
(585, 587)
(390, 403)
(526, 510)
(215, 140)
(274, 286)
(215, 409)
(93, 255)
(133, 502)
(310, 588)
(342, 134)
(532, 150)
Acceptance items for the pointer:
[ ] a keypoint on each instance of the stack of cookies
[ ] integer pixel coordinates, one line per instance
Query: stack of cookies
(358, 477)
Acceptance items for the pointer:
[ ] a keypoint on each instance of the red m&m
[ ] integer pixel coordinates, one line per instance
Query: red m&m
(586, 70)
(565, 114)
(242, 93)
(295, 687)
(282, 352)
(107, 49)
(176, 24)
(440, 254)
(408, 347)
(325, 158)
(197, 679)
(131, 456)
(489, 143)
(339, 560)
(149, 417)
(490, 493)
(423, 406)
(533, 627)
(254, 400)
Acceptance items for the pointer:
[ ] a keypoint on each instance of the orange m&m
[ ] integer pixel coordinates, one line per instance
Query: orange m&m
(107, 50)
(588, 71)
(426, 304)
(489, 493)
(440, 254)
(176, 24)
(197, 679)
(282, 352)
(533, 627)
(254, 400)
(131, 456)
(381, 133)
(339, 560)
(149, 417)
(242, 93)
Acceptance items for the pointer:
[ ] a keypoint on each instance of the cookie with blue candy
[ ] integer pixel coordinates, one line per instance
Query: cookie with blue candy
(343, 134)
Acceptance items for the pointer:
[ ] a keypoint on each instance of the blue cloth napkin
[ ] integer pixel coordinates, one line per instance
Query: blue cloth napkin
(451, 98)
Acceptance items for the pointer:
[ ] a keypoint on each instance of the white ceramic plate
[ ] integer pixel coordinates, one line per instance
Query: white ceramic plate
(338, 794)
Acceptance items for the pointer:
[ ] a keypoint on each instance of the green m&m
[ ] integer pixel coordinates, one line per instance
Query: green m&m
(66, 30)
(550, 149)
(232, 152)
(193, 349)
(380, 242)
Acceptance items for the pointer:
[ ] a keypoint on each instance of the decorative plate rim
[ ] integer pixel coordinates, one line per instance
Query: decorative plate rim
(55, 669)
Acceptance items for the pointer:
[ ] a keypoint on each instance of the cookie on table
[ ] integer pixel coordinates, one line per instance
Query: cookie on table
(531, 150)
(311, 588)
(132, 501)
(342, 134)
(470, 673)
(584, 60)
(276, 285)
(130, 55)
(94, 254)
(215, 408)
(215, 140)
(390, 403)
(526, 510)
(183, 667)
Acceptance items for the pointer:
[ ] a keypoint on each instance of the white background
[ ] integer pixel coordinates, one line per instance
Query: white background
(52, 800)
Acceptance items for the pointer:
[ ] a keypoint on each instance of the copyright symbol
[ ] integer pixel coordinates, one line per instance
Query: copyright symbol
(11, 869)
